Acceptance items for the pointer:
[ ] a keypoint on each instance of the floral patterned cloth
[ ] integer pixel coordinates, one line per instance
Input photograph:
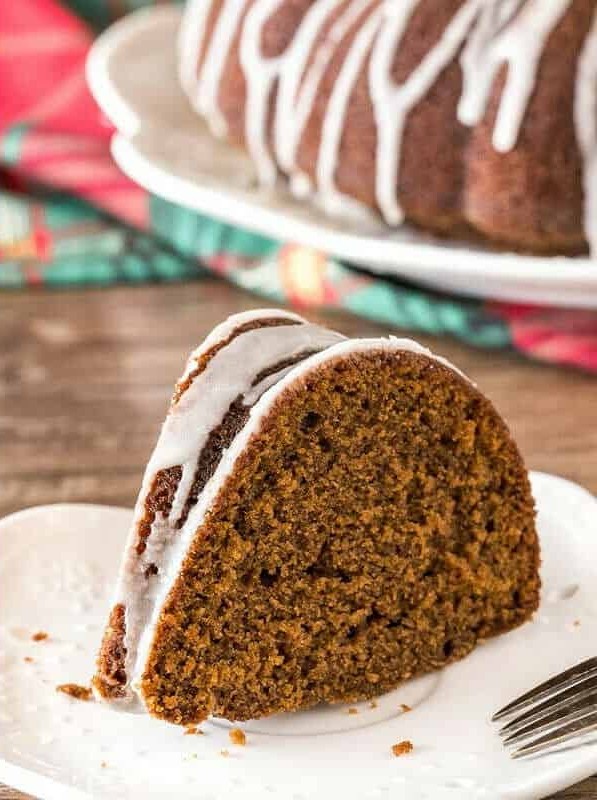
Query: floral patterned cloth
(69, 217)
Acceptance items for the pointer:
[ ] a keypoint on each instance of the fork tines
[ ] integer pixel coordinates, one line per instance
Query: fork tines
(553, 713)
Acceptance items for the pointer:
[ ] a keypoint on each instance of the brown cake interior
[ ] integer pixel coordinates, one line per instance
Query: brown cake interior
(379, 525)
(111, 679)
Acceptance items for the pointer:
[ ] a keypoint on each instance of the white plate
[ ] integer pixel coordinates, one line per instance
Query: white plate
(166, 148)
(57, 564)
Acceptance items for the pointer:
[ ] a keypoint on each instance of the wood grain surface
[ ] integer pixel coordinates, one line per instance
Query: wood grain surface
(86, 376)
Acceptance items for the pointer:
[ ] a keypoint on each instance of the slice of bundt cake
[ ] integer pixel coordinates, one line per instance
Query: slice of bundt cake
(458, 115)
(322, 518)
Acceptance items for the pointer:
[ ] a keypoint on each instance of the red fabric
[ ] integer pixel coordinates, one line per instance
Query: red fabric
(65, 141)
(42, 77)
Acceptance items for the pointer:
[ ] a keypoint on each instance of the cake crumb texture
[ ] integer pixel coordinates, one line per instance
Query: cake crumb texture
(75, 690)
(238, 736)
(378, 525)
(402, 748)
(193, 730)
(40, 636)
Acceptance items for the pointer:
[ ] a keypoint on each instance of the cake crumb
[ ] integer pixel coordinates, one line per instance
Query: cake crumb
(402, 748)
(576, 623)
(224, 753)
(103, 765)
(373, 704)
(40, 636)
(28, 660)
(404, 708)
(193, 730)
(238, 737)
(353, 710)
(76, 691)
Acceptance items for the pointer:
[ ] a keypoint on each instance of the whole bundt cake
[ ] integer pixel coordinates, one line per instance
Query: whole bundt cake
(462, 116)
(322, 518)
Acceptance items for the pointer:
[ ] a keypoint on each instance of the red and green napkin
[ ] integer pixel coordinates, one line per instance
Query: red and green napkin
(68, 216)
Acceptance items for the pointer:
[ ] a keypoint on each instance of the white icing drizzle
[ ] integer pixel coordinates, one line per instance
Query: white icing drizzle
(214, 61)
(490, 35)
(219, 334)
(255, 392)
(228, 375)
(585, 119)
(518, 46)
(226, 328)
(287, 68)
(476, 80)
(174, 550)
(260, 75)
(190, 42)
(392, 104)
(333, 122)
(294, 104)
(182, 491)
(300, 83)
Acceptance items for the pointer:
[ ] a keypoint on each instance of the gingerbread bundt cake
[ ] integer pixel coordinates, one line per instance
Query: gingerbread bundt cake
(322, 518)
(458, 115)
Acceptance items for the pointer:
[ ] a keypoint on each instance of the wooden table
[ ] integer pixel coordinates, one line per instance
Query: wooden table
(85, 378)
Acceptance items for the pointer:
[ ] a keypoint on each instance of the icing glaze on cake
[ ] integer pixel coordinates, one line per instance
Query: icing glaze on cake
(200, 409)
(498, 45)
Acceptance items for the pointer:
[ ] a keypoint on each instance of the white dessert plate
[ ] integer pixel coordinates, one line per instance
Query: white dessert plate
(164, 146)
(57, 564)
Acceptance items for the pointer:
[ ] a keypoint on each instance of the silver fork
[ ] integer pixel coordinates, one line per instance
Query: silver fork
(554, 713)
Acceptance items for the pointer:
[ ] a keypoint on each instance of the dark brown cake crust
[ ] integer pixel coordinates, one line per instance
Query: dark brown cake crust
(379, 525)
(110, 678)
(532, 196)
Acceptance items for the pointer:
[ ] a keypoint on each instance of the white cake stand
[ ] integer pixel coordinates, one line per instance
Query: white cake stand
(163, 146)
